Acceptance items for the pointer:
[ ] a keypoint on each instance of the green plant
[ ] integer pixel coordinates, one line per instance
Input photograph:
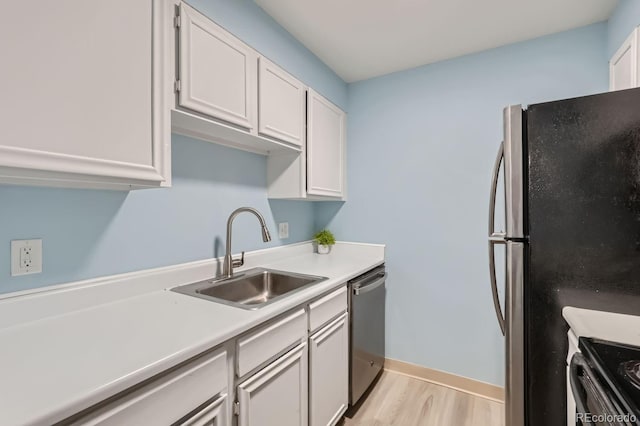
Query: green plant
(325, 238)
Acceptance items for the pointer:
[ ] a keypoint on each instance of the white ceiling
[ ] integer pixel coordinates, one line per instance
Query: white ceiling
(360, 39)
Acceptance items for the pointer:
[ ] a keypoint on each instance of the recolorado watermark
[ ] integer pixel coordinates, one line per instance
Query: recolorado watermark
(605, 418)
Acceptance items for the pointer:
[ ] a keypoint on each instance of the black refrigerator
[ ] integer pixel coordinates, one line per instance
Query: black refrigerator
(572, 236)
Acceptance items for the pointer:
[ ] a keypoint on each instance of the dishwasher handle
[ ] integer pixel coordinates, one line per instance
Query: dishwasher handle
(361, 289)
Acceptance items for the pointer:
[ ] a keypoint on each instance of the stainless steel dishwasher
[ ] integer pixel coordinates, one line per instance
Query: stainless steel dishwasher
(367, 322)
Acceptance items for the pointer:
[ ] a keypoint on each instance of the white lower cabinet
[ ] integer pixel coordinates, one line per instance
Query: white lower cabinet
(289, 371)
(277, 394)
(214, 414)
(329, 372)
(171, 398)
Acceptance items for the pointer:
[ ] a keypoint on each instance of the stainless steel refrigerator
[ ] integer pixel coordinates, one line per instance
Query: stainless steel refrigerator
(572, 236)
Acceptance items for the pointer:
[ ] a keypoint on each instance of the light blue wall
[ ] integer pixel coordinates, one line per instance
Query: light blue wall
(421, 148)
(421, 145)
(92, 233)
(623, 20)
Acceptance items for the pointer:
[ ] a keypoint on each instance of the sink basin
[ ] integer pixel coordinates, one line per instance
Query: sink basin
(251, 289)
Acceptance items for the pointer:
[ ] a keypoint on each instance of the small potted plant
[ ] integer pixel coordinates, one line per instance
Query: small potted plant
(325, 240)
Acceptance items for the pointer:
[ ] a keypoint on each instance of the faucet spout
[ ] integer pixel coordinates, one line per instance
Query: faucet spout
(266, 236)
(227, 270)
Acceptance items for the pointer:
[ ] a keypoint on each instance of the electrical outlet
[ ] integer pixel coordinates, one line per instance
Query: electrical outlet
(283, 230)
(26, 257)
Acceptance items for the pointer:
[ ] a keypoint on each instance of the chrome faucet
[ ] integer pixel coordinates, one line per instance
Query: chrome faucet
(229, 263)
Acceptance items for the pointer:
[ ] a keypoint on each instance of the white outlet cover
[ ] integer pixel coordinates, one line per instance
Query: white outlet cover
(283, 230)
(17, 264)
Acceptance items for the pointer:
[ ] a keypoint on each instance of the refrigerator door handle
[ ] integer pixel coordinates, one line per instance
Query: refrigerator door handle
(495, 238)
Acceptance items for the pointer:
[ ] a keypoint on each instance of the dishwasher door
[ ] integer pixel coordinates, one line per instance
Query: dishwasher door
(367, 348)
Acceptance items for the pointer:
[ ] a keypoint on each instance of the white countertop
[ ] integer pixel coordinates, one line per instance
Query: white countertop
(609, 326)
(56, 366)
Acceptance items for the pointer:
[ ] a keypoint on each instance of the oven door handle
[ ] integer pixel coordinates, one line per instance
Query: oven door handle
(358, 290)
(577, 362)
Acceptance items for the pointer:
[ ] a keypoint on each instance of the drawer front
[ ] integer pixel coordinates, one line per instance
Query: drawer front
(169, 398)
(270, 341)
(327, 308)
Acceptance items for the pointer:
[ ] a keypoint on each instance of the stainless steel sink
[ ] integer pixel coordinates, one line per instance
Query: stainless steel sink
(251, 289)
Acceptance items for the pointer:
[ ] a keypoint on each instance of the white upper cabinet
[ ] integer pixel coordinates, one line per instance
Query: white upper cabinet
(217, 90)
(325, 147)
(319, 172)
(217, 72)
(281, 104)
(623, 67)
(82, 92)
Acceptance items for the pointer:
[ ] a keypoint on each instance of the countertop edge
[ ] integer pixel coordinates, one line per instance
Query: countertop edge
(610, 326)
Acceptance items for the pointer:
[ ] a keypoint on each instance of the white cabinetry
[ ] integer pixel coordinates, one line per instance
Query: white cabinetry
(281, 104)
(329, 372)
(289, 371)
(276, 395)
(325, 147)
(266, 343)
(172, 397)
(319, 173)
(623, 66)
(217, 90)
(217, 72)
(214, 414)
(83, 89)
(227, 93)
(309, 383)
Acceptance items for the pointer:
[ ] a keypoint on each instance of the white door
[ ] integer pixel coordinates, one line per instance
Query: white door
(623, 67)
(277, 395)
(76, 82)
(325, 147)
(217, 71)
(329, 372)
(281, 104)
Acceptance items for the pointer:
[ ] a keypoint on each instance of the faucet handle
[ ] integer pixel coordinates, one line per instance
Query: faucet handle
(236, 263)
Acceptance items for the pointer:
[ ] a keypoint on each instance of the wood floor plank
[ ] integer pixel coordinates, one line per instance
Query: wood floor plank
(398, 400)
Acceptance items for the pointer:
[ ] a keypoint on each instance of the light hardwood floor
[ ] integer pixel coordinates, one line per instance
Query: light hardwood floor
(405, 401)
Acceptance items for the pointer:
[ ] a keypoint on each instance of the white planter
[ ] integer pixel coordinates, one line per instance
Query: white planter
(322, 249)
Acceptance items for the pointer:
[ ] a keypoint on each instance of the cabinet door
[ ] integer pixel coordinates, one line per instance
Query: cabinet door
(623, 67)
(325, 147)
(217, 71)
(276, 395)
(281, 104)
(212, 415)
(329, 372)
(77, 84)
